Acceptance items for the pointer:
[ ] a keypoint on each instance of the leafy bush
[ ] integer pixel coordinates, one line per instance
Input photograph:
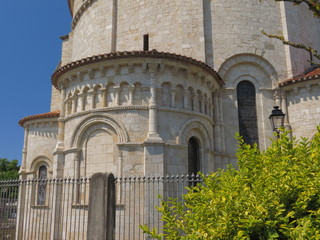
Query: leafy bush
(274, 194)
(9, 170)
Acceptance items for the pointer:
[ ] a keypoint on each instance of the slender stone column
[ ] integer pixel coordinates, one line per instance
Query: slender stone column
(104, 97)
(284, 108)
(277, 97)
(58, 168)
(90, 98)
(61, 119)
(24, 150)
(117, 95)
(173, 98)
(131, 89)
(193, 102)
(153, 135)
(74, 104)
(185, 99)
(81, 103)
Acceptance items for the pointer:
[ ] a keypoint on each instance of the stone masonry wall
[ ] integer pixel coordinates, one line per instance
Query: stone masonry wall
(173, 26)
(237, 27)
(92, 32)
(304, 28)
(303, 108)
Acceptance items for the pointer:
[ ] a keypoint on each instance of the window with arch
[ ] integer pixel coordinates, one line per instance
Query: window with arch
(42, 185)
(247, 112)
(193, 156)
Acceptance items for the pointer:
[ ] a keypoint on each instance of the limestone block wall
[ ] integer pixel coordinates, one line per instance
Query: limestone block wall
(173, 26)
(92, 29)
(40, 143)
(106, 111)
(304, 28)
(303, 107)
(236, 29)
(264, 77)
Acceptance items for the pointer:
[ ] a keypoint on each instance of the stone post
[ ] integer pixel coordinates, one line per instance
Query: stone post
(185, 99)
(102, 207)
(153, 135)
(173, 98)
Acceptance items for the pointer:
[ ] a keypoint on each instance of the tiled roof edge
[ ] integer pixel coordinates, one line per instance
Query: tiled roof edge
(314, 74)
(131, 54)
(39, 116)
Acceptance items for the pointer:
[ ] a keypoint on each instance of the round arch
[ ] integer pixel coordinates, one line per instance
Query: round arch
(197, 129)
(105, 121)
(40, 160)
(260, 71)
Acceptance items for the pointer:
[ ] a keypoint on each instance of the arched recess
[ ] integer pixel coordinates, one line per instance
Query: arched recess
(39, 161)
(108, 122)
(259, 72)
(243, 66)
(196, 130)
(96, 138)
(41, 169)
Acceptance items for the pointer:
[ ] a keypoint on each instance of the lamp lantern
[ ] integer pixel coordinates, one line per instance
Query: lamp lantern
(277, 119)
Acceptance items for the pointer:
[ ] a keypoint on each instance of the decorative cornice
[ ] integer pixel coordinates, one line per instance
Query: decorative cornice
(55, 114)
(105, 109)
(70, 7)
(79, 13)
(315, 74)
(133, 54)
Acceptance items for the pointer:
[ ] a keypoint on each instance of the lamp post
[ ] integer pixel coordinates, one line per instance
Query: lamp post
(277, 119)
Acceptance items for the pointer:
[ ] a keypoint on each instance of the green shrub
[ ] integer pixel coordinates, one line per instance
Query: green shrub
(274, 194)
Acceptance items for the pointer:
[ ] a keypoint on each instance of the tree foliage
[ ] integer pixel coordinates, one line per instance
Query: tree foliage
(314, 7)
(274, 194)
(9, 170)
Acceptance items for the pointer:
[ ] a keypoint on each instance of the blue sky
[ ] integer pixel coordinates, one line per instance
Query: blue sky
(30, 50)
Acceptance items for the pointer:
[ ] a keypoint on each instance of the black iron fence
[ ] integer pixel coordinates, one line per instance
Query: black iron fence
(46, 209)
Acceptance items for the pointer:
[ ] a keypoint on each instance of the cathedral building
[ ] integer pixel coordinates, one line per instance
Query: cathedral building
(157, 87)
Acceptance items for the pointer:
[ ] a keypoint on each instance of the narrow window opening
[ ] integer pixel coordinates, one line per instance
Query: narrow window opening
(42, 185)
(146, 42)
(247, 113)
(193, 160)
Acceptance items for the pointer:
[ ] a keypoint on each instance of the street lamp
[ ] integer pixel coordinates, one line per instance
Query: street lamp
(277, 119)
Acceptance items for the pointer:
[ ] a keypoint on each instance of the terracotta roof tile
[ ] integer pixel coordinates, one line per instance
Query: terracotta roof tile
(314, 74)
(39, 116)
(132, 54)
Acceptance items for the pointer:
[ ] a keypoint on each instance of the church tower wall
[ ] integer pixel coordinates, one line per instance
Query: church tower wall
(302, 27)
(236, 29)
(172, 26)
(92, 29)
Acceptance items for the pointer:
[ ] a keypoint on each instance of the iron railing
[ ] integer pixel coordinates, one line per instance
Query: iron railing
(46, 209)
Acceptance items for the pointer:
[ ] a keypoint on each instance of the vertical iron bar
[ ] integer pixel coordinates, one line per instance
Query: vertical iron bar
(50, 213)
(134, 206)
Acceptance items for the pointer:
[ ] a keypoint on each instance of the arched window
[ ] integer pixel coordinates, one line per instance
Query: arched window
(247, 113)
(42, 185)
(193, 156)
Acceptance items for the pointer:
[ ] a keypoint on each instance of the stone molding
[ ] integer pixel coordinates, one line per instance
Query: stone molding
(93, 119)
(103, 110)
(144, 55)
(36, 162)
(250, 59)
(85, 5)
(190, 125)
